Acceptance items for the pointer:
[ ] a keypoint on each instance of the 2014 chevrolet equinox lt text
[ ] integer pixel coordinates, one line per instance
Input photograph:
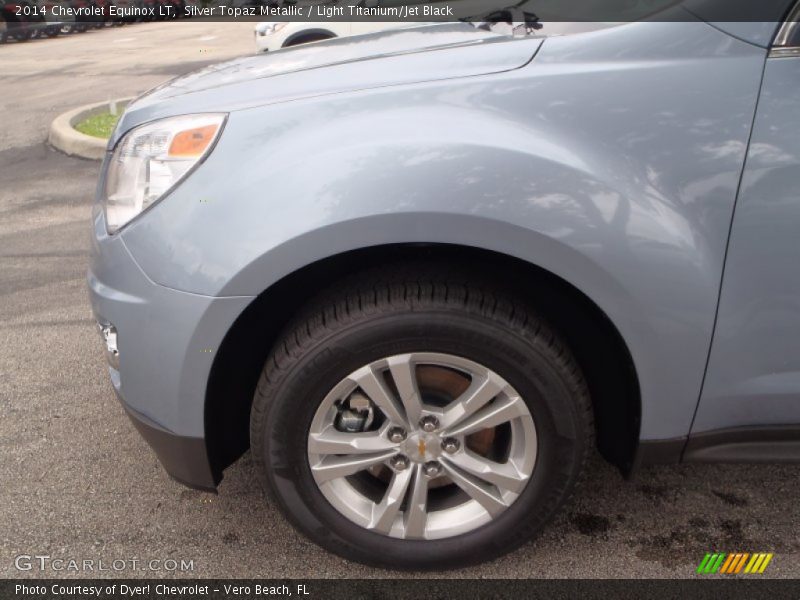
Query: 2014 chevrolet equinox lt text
(423, 274)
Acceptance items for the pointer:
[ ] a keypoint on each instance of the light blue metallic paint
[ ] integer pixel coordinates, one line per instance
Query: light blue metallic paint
(751, 21)
(612, 160)
(164, 336)
(339, 65)
(754, 371)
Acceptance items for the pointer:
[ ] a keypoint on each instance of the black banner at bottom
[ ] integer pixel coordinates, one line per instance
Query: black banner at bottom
(417, 589)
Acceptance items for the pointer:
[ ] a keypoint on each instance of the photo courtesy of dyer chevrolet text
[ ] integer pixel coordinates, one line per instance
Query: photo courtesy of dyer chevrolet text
(161, 590)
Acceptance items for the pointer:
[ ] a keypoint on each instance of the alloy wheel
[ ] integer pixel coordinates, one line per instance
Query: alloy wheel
(422, 446)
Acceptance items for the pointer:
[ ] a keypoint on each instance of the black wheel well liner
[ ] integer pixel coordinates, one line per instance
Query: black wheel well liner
(315, 33)
(594, 340)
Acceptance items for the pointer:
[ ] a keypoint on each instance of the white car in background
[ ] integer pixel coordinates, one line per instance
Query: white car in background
(271, 36)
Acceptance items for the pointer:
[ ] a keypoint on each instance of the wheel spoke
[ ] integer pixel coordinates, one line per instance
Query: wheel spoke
(403, 372)
(491, 416)
(477, 395)
(503, 475)
(334, 467)
(373, 386)
(416, 513)
(384, 513)
(482, 492)
(331, 441)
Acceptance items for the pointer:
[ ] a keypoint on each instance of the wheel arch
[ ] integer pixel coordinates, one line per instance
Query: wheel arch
(593, 338)
(315, 34)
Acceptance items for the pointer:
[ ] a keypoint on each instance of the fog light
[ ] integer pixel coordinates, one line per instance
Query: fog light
(109, 335)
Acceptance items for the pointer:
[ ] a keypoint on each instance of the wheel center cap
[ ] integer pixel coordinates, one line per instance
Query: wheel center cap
(422, 447)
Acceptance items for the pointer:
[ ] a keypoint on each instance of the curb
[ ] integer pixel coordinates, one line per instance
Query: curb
(64, 137)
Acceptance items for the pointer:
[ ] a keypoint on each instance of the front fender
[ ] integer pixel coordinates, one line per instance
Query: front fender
(617, 174)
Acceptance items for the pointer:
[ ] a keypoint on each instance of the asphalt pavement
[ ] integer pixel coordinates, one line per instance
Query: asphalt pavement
(80, 484)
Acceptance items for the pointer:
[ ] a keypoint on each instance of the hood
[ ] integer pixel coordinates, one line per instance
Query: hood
(415, 54)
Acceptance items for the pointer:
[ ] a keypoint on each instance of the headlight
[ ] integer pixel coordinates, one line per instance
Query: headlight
(151, 159)
(271, 28)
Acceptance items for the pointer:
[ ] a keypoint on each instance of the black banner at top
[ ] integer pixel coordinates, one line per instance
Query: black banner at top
(450, 10)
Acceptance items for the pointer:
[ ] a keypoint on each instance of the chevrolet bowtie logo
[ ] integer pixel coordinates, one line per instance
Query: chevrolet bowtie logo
(421, 448)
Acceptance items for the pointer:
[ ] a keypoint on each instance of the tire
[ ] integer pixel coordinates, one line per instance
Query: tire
(419, 309)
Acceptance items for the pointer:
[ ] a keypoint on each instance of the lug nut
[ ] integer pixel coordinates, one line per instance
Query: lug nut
(396, 434)
(432, 469)
(429, 424)
(399, 462)
(450, 445)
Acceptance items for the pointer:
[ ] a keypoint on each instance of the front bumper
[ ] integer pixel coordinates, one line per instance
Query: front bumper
(166, 342)
(184, 458)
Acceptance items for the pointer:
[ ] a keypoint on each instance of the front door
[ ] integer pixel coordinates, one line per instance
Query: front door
(752, 389)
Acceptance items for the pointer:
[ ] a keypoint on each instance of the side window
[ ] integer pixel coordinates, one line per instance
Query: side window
(787, 42)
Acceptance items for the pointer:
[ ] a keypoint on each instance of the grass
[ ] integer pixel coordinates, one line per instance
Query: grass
(98, 125)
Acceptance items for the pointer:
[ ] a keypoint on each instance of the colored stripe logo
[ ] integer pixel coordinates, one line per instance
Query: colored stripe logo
(734, 563)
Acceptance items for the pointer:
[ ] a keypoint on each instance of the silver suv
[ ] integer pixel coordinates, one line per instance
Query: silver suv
(422, 275)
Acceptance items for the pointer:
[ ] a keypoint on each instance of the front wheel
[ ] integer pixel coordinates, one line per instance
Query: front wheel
(420, 422)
